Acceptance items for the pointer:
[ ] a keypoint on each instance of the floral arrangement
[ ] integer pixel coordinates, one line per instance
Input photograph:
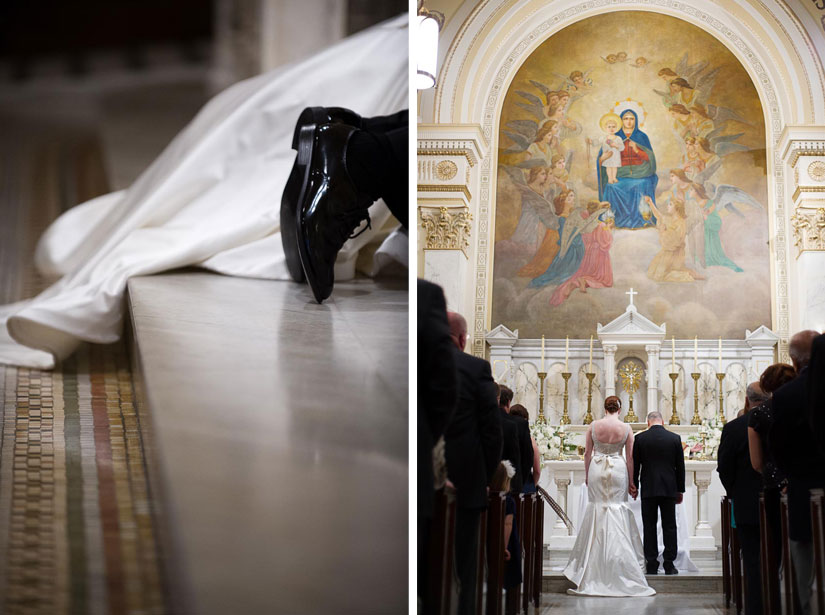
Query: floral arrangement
(709, 445)
(553, 442)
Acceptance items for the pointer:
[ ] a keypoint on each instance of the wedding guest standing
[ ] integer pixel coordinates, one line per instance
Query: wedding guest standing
(799, 457)
(473, 449)
(760, 423)
(525, 446)
(532, 477)
(743, 484)
(437, 387)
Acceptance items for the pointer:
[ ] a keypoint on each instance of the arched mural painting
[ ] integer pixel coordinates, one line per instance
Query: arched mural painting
(631, 153)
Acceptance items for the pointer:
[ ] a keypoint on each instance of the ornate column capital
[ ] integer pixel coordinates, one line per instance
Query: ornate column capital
(653, 349)
(701, 480)
(562, 481)
(446, 228)
(609, 348)
(808, 229)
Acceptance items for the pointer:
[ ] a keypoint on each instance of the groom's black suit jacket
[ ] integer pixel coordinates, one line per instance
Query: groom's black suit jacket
(658, 457)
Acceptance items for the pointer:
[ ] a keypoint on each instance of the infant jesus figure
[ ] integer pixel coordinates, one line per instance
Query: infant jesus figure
(612, 146)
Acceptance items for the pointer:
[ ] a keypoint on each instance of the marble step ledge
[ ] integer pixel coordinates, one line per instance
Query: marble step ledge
(683, 583)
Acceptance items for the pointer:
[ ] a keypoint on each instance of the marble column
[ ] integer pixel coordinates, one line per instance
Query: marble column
(562, 483)
(446, 235)
(652, 378)
(452, 245)
(609, 369)
(800, 293)
(704, 531)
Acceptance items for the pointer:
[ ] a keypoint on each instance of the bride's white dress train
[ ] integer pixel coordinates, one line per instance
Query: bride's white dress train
(211, 199)
(607, 557)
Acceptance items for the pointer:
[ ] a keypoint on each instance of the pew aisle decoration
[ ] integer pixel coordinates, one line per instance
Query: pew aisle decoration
(555, 442)
(705, 443)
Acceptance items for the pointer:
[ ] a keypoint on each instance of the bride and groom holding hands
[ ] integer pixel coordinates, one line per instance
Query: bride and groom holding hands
(607, 558)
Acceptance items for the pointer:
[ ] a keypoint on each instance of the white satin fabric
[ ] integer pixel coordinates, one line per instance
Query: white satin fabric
(682, 561)
(607, 557)
(211, 199)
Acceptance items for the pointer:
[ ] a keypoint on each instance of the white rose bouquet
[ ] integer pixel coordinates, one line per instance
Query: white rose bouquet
(711, 429)
(553, 442)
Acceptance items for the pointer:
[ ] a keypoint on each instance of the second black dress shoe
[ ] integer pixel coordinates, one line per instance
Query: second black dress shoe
(307, 122)
(330, 206)
(670, 568)
(652, 569)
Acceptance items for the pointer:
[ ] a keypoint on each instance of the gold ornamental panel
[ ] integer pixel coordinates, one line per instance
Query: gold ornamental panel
(446, 228)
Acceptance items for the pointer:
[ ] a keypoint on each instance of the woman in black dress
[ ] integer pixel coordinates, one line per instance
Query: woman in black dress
(760, 421)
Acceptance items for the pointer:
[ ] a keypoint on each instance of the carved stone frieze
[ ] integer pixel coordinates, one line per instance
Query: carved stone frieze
(809, 229)
(446, 228)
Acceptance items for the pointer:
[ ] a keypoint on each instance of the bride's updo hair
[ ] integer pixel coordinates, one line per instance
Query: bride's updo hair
(612, 404)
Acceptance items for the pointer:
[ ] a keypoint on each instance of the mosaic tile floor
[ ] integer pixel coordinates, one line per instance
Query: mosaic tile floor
(76, 527)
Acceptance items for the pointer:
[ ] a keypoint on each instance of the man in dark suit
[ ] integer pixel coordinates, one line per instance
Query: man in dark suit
(473, 449)
(743, 484)
(519, 453)
(437, 390)
(796, 453)
(659, 460)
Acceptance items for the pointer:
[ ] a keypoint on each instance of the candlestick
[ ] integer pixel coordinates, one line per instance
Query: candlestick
(672, 354)
(541, 419)
(695, 352)
(565, 418)
(720, 355)
(590, 361)
(696, 420)
(721, 377)
(566, 352)
(542, 353)
(674, 415)
(588, 418)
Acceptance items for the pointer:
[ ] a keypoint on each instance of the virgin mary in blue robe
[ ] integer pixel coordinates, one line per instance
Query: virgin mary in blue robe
(635, 181)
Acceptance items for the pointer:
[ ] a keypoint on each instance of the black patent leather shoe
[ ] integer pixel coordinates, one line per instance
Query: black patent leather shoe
(308, 120)
(330, 206)
(670, 568)
(652, 569)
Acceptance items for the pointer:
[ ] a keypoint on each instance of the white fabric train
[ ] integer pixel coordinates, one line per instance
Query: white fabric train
(210, 199)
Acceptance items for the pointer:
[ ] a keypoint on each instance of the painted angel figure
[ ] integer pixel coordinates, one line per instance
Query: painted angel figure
(725, 199)
(537, 212)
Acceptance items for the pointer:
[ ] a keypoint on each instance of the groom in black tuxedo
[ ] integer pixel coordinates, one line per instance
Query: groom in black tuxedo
(658, 458)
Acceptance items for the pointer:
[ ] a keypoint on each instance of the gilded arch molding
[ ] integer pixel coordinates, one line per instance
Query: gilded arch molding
(509, 57)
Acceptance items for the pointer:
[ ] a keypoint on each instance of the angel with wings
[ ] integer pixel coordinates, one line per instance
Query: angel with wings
(726, 199)
(688, 84)
(537, 212)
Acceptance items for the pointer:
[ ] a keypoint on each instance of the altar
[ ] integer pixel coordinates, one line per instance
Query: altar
(696, 384)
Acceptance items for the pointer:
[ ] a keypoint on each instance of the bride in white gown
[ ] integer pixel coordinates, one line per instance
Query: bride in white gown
(607, 557)
(211, 199)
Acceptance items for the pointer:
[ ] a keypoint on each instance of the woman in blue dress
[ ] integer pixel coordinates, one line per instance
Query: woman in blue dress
(636, 177)
(571, 247)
